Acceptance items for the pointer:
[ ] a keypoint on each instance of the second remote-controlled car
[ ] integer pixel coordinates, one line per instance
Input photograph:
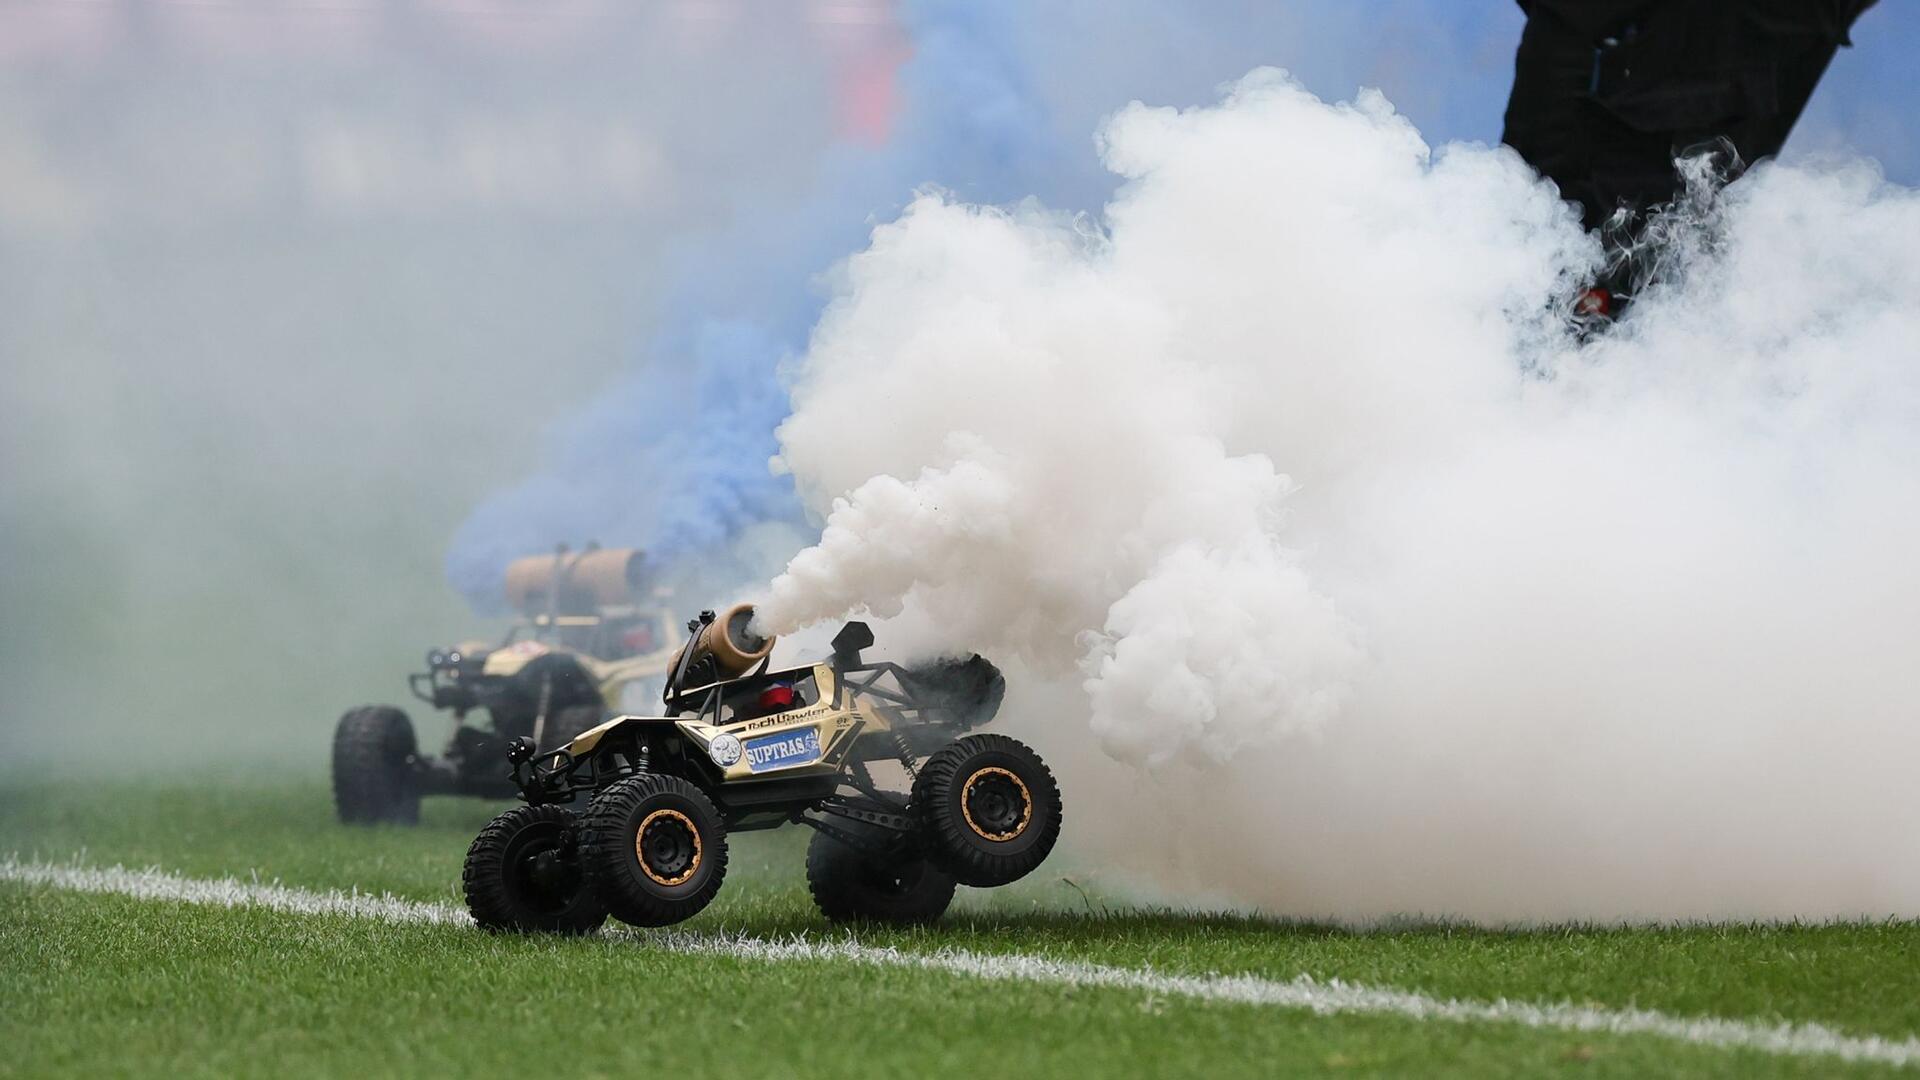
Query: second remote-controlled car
(588, 631)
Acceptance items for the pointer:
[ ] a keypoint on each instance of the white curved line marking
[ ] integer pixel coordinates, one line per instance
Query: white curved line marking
(1302, 993)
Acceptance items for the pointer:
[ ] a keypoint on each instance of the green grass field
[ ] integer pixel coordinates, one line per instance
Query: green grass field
(114, 985)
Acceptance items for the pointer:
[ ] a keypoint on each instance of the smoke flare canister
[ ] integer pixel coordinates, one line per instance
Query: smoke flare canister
(584, 582)
(731, 642)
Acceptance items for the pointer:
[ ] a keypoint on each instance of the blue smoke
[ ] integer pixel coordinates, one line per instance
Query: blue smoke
(674, 459)
(998, 102)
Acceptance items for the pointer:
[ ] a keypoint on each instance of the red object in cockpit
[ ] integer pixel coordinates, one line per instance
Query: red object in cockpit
(775, 698)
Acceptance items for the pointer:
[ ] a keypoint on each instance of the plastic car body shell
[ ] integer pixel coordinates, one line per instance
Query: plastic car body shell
(824, 729)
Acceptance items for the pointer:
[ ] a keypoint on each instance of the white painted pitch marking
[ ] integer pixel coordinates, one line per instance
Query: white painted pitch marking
(1301, 993)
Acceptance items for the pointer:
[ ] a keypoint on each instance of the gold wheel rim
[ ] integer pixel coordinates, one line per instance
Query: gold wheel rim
(1026, 803)
(640, 846)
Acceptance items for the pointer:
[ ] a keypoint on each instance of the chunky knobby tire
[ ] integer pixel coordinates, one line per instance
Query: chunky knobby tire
(654, 849)
(990, 809)
(568, 724)
(851, 885)
(523, 874)
(374, 757)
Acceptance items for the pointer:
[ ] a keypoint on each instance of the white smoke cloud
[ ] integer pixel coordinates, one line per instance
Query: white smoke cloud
(1290, 444)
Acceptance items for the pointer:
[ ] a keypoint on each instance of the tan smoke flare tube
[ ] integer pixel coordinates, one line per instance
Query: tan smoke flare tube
(590, 579)
(730, 641)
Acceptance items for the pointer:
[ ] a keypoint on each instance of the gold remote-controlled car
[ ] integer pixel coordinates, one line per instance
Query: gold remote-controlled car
(631, 818)
(588, 634)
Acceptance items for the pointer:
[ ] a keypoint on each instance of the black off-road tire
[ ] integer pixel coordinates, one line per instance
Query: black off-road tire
(374, 760)
(683, 860)
(990, 809)
(567, 724)
(850, 885)
(523, 874)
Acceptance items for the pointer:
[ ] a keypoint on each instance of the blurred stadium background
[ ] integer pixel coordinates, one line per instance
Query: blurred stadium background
(288, 287)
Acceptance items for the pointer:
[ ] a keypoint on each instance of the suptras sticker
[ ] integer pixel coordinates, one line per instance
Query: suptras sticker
(784, 750)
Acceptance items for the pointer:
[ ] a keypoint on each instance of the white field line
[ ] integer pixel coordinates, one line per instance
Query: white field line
(1301, 993)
